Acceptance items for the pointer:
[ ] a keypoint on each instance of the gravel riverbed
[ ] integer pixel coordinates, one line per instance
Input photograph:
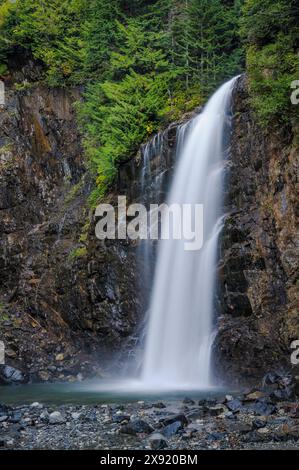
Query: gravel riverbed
(255, 420)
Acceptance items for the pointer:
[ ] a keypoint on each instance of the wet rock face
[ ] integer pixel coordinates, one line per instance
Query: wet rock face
(40, 162)
(258, 297)
(67, 300)
(65, 297)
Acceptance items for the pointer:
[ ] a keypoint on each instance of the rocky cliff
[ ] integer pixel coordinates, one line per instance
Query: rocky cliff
(259, 298)
(65, 299)
(69, 301)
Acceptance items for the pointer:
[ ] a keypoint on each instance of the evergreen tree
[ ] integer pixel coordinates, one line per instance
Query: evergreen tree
(99, 35)
(50, 30)
(144, 62)
(270, 30)
(128, 106)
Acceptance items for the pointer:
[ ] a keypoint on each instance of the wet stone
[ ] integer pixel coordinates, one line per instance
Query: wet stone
(172, 419)
(159, 405)
(234, 405)
(172, 429)
(263, 408)
(157, 442)
(56, 418)
(136, 427)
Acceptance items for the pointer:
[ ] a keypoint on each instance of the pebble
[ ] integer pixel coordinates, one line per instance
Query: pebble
(188, 401)
(217, 410)
(254, 396)
(56, 418)
(229, 397)
(172, 419)
(263, 431)
(36, 404)
(159, 405)
(157, 442)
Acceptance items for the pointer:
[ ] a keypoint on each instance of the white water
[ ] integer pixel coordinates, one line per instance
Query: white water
(180, 331)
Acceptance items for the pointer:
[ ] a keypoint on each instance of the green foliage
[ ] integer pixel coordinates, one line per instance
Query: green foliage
(130, 105)
(99, 36)
(50, 30)
(205, 44)
(143, 63)
(78, 253)
(271, 32)
(3, 312)
(74, 191)
(3, 69)
(162, 63)
(22, 86)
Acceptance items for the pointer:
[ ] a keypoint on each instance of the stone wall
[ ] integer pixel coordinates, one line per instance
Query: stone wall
(258, 292)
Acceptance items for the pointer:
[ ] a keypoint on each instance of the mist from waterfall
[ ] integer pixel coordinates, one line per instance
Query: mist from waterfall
(180, 332)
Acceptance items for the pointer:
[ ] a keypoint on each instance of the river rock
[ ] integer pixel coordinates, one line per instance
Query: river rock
(188, 401)
(216, 410)
(159, 405)
(263, 408)
(254, 395)
(37, 405)
(258, 423)
(157, 442)
(172, 419)
(172, 429)
(135, 427)
(282, 395)
(15, 417)
(11, 376)
(56, 418)
(263, 430)
(270, 378)
(234, 405)
(4, 409)
(120, 418)
(207, 402)
(216, 436)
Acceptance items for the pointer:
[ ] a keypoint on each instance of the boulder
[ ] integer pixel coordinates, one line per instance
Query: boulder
(172, 429)
(234, 405)
(172, 419)
(11, 376)
(263, 408)
(136, 427)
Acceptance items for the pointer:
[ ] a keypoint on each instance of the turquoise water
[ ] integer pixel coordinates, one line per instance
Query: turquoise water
(92, 393)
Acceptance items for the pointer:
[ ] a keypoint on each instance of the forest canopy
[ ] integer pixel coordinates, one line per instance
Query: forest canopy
(144, 63)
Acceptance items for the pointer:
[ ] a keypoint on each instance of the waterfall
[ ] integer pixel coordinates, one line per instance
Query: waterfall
(151, 187)
(181, 315)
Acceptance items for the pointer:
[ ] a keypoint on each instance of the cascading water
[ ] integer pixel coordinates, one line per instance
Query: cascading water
(180, 331)
(151, 186)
